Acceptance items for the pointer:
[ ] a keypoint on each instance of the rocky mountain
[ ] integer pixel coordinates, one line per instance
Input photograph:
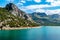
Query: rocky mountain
(46, 20)
(39, 14)
(13, 9)
(54, 16)
(11, 16)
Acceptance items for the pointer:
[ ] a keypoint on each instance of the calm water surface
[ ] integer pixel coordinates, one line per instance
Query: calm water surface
(42, 33)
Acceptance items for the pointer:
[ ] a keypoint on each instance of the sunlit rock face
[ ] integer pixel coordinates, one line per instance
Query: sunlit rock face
(12, 8)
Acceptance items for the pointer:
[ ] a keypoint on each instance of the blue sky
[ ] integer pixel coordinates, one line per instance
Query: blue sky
(29, 6)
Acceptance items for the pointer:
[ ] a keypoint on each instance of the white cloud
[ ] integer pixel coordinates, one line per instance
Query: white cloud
(38, 8)
(54, 2)
(37, 1)
(34, 8)
(18, 4)
(57, 11)
(48, 12)
(23, 1)
(50, 0)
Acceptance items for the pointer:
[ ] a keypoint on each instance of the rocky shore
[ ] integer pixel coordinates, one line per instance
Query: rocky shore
(17, 28)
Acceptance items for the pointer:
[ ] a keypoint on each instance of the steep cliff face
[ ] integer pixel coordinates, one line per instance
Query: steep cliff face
(17, 12)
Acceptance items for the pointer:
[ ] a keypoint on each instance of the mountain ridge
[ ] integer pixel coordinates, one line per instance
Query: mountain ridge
(46, 20)
(8, 19)
(16, 11)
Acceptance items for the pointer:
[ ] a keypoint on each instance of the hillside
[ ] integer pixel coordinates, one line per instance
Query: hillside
(13, 9)
(7, 19)
(46, 20)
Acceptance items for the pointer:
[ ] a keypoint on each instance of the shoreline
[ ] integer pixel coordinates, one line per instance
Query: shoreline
(17, 28)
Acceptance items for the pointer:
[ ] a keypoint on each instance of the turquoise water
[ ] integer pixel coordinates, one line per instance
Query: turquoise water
(42, 33)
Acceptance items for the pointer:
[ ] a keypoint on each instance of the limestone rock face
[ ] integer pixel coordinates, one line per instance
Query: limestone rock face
(17, 12)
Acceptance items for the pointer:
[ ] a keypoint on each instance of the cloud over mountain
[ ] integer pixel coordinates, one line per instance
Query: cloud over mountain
(54, 6)
(34, 5)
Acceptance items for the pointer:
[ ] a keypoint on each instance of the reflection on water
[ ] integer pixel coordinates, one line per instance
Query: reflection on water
(13, 34)
(42, 33)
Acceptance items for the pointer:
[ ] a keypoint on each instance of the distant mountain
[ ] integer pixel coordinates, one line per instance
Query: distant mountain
(46, 20)
(39, 14)
(11, 16)
(54, 16)
(42, 14)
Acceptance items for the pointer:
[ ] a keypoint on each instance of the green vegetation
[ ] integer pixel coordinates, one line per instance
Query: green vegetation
(7, 19)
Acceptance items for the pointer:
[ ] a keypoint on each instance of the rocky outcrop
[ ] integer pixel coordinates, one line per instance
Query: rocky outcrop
(17, 12)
